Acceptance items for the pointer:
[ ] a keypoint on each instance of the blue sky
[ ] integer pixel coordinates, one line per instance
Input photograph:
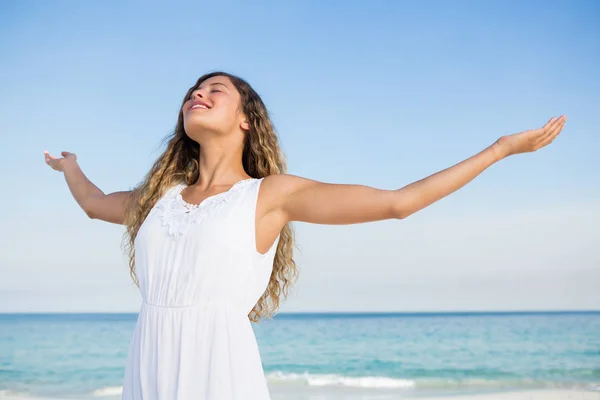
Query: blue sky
(376, 93)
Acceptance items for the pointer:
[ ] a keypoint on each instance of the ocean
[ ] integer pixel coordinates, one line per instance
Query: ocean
(384, 355)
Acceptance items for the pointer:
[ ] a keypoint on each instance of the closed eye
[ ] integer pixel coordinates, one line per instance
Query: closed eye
(212, 90)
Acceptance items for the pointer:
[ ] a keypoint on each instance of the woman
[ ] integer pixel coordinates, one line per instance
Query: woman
(210, 252)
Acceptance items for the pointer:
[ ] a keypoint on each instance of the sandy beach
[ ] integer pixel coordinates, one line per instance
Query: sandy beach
(342, 394)
(528, 395)
(525, 395)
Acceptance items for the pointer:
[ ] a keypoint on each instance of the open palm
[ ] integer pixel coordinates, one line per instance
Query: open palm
(534, 139)
(59, 163)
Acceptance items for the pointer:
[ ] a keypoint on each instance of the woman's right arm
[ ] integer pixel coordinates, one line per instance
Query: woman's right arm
(97, 205)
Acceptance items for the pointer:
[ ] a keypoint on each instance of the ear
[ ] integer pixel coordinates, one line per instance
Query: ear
(245, 125)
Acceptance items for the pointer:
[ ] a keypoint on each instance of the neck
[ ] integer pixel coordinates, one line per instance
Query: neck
(220, 164)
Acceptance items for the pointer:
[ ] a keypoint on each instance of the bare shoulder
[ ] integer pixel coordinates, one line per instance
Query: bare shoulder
(276, 193)
(286, 183)
(270, 217)
(277, 188)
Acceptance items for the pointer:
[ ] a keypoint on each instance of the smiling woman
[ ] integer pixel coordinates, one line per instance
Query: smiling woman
(210, 241)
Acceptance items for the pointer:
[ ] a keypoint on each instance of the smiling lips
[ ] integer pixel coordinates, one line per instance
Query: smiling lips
(198, 104)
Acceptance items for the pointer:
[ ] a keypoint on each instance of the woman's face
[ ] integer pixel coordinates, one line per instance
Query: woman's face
(214, 106)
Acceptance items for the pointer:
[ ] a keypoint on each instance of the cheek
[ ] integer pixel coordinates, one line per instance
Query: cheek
(225, 113)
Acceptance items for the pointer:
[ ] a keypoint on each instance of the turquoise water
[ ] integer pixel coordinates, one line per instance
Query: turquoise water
(83, 355)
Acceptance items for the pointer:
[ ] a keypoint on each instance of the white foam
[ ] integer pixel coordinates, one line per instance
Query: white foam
(103, 392)
(341, 380)
(108, 391)
(10, 395)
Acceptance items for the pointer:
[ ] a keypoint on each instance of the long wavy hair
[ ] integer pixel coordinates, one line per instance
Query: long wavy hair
(179, 163)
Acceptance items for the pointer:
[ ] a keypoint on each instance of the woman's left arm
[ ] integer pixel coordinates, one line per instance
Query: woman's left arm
(301, 199)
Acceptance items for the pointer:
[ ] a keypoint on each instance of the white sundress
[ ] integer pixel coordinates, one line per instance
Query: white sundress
(200, 276)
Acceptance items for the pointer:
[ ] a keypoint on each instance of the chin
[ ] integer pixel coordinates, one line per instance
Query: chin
(196, 131)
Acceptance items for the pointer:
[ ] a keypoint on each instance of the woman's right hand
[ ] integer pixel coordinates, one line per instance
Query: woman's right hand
(59, 164)
(97, 205)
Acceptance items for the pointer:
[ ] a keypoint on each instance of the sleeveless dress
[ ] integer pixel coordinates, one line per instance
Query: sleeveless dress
(200, 276)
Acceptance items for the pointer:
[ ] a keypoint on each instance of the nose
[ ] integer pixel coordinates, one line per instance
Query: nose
(197, 94)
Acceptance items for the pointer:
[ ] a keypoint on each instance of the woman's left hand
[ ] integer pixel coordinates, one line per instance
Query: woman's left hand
(531, 140)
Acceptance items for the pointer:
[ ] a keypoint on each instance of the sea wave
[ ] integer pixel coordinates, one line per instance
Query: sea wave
(12, 395)
(383, 382)
(340, 380)
(108, 391)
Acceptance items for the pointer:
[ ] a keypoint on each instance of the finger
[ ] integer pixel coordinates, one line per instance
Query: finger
(558, 130)
(560, 120)
(550, 138)
(544, 143)
(556, 121)
(559, 124)
(542, 133)
(548, 124)
(552, 124)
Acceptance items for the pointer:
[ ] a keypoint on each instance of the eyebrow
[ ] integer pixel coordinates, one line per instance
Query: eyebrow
(215, 83)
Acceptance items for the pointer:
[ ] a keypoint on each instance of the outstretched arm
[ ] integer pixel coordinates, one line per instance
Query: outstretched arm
(96, 204)
(301, 199)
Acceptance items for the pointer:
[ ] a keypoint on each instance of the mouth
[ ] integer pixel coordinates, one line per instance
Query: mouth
(198, 105)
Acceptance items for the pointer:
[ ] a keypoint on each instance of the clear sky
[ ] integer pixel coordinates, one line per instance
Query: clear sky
(378, 93)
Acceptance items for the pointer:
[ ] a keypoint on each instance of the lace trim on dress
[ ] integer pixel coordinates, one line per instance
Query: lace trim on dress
(178, 215)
